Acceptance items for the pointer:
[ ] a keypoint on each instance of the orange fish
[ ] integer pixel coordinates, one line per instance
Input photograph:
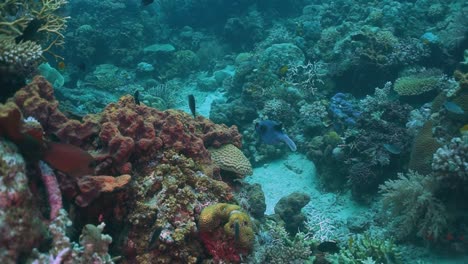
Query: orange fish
(69, 159)
(61, 65)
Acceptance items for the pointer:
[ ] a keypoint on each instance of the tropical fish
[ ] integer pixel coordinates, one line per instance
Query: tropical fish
(136, 95)
(453, 108)
(328, 246)
(69, 159)
(81, 66)
(271, 132)
(29, 33)
(394, 149)
(66, 158)
(61, 65)
(191, 102)
(146, 2)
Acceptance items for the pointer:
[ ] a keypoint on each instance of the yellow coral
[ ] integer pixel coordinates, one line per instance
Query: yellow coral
(240, 228)
(228, 157)
(237, 224)
(214, 215)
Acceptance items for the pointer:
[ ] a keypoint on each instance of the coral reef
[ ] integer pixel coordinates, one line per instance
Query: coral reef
(367, 249)
(92, 247)
(21, 227)
(164, 210)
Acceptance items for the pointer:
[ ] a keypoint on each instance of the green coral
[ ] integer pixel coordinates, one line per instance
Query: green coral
(367, 249)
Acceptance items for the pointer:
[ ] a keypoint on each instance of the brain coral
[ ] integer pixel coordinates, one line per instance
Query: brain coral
(230, 158)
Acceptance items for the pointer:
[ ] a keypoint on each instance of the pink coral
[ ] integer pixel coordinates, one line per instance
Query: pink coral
(53, 190)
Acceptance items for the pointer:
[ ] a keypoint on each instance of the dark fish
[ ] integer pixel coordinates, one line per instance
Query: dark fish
(29, 33)
(154, 238)
(81, 66)
(137, 97)
(191, 103)
(358, 37)
(328, 246)
(394, 149)
(453, 108)
(146, 2)
(236, 231)
(271, 132)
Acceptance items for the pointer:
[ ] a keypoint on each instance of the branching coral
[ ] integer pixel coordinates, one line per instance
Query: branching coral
(450, 161)
(276, 246)
(367, 249)
(25, 11)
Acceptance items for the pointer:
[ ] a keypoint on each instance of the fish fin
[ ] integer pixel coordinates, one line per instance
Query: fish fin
(292, 146)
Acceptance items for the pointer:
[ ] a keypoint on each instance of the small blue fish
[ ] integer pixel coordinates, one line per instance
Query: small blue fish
(394, 149)
(453, 108)
(271, 132)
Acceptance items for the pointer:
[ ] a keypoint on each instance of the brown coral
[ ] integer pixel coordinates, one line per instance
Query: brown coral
(424, 146)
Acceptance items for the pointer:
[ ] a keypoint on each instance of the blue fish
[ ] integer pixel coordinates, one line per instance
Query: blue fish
(394, 149)
(271, 132)
(453, 108)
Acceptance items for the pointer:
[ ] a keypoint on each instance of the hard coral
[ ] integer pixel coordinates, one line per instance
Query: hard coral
(167, 202)
(230, 158)
(226, 231)
(127, 132)
(20, 225)
(424, 146)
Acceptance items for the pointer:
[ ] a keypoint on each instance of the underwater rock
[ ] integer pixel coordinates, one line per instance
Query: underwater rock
(256, 200)
(289, 210)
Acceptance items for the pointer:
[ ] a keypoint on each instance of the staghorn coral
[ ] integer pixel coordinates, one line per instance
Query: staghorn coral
(27, 29)
(230, 158)
(411, 203)
(29, 14)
